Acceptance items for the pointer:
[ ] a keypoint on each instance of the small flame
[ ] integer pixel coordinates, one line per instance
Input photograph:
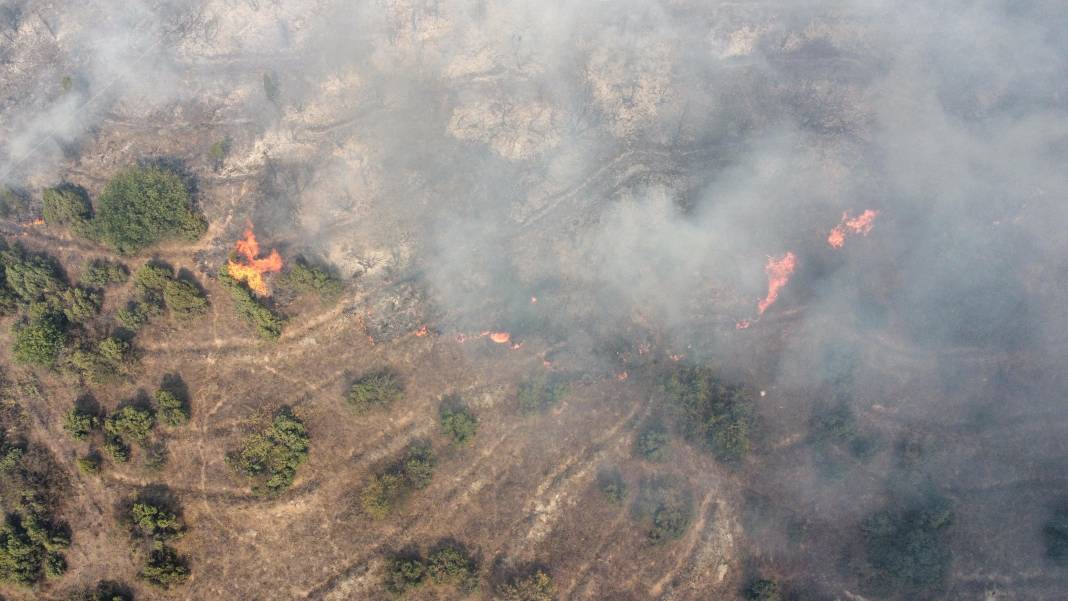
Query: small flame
(251, 269)
(779, 272)
(499, 337)
(533, 300)
(422, 331)
(861, 224)
(743, 324)
(622, 376)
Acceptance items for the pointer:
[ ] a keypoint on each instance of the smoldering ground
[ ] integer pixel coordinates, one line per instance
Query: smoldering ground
(632, 165)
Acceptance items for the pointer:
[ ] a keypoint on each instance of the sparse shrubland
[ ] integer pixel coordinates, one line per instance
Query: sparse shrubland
(710, 412)
(387, 489)
(374, 391)
(270, 457)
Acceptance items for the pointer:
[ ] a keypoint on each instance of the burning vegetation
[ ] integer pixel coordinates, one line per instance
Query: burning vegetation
(861, 225)
(249, 267)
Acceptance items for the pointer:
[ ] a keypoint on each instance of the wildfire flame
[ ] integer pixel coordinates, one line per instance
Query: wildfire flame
(779, 272)
(249, 268)
(499, 337)
(861, 224)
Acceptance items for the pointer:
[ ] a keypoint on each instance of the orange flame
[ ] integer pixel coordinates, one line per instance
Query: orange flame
(252, 269)
(861, 224)
(499, 337)
(622, 376)
(779, 272)
(422, 331)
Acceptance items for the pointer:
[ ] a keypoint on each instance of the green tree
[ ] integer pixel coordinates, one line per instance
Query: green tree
(38, 342)
(537, 586)
(304, 277)
(171, 410)
(89, 464)
(110, 359)
(155, 521)
(906, 548)
(271, 457)
(31, 277)
(374, 391)
(379, 497)
(450, 564)
(142, 206)
(404, 573)
(711, 412)
(458, 422)
(612, 486)
(165, 568)
(79, 423)
(130, 423)
(268, 323)
(763, 590)
(540, 392)
(79, 305)
(184, 299)
(653, 443)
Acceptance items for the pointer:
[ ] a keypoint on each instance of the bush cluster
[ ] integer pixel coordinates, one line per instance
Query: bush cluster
(271, 456)
(653, 443)
(539, 392)
(374, 391)
(711, 412)
(100, 273)
(304, 277)
(448, 564)
(389, 488)
(143, 206)
(457, 421)
(158, 287)
(906, 548)
(535, 586)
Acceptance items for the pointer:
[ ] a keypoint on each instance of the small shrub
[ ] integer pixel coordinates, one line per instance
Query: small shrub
(670, 521)
(184, 299)
(152, 278)
(450, 564)
(374, 391)
(458, 422)
(418, 465)
(130, 423)
(387, 489)
(165, 568)
(652, 443)
(271, 457)
(537, 586)
(79, 423)
(763, 590)
(612, 486)
(31, 277)
(133, 317)
(155, 521)
(381, 494)
(170, 409)
(115, 448)
(100, 273)
(39, 342)
(79, 305)
(104, 591)
(404, 573)
(540, 392)
(110, 359)
(143, 206)
(89, 464)
(218, 152)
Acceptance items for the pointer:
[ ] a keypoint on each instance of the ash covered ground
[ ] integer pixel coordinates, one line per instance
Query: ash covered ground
(748, 300)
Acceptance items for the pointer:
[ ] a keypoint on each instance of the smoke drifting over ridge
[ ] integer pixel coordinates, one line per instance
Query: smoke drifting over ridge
(632, 165)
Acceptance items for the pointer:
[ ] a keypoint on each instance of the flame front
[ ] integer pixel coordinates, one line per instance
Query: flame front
(861, 224)
(249, 268)
(779, 272)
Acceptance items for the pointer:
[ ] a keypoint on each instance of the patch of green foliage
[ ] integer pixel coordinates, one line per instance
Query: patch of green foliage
(448, 564)
(100, 273)
(103, 591)
(389, 488)
(536, 586)
(612, 486)
(79, 305)
(134, 315)
(304, 277)
(67, 205)
(906, 548)
(165, 568)
(271, 457)
(108, 360)
(457, 421)
(31, 277)
(158, 286)
(130, 423)
(218, 152)
(79, 423)
(89, 464)
(155, 521)
(666, 507)
(653, 443)
(171, 410)
(143, 206)
(711, 412)
(268, 323)
(539, 392)
(1055, 534)
(763, 589)
(39, 342)
(374, 391)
